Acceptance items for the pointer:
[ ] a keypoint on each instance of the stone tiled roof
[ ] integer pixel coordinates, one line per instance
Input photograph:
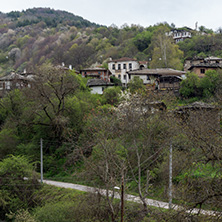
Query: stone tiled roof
(98, 82)
(212, 58)
(14, 76)
(161, 72)
(197, 105)
(124, 59)
(94, 69)
(206, 65)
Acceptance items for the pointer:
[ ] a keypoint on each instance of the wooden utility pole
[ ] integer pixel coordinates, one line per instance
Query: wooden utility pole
(170, 175)
(122, 198)
(41, 159)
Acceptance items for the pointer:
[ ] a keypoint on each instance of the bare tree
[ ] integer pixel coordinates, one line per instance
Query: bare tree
(143, 134)
(106, 165)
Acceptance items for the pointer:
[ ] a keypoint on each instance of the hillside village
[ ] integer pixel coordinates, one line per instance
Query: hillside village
(124, 69)
(132, 110)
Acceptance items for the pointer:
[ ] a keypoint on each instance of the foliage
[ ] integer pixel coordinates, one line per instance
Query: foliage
(142, 40)
(207, 45)
(136, 84)
(16, 191)
(115, 80)
(205, 87)
(190, 85)
(8, 142)
(165, 54)
(21, 216)
(112, 95)
(211, 82)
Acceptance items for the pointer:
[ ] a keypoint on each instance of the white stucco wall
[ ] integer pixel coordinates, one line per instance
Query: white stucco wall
(98, 89)
(116, 72)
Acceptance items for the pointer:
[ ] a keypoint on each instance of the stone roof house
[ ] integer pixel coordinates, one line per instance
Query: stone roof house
(120, 67)
(201, 65)
(98, 85)
(163, 78)
(15, 81)
(99, 73)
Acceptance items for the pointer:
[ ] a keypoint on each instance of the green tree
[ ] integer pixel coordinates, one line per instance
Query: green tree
(116, 81)
(142, 40)
(210, 83)
(190, 86)
(16, 191)
(165, 53)
(136, 84)
(112, 95)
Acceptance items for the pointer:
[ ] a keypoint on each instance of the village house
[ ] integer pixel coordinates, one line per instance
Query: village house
(162, 78)
(98, 85)
(201, 65)
(180, 35)
(15, 81)
(120, 67)
(99, 73)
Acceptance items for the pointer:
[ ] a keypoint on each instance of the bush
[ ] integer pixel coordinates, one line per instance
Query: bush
(16, 191)
(190, 86)
(136, 84)
(85, 208)
(112, 95)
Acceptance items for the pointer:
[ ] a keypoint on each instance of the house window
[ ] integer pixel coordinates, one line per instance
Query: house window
(99, 73)
(124, 77)
(130, 66)
(147, 77)
(18, 86)
(114, 66)
(129, 76)
(119, 76)
(119, 66)
(1, 85)
(8, 85)
(124, 66)
(202, 71)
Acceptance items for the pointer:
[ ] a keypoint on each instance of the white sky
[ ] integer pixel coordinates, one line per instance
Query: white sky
(143, 12)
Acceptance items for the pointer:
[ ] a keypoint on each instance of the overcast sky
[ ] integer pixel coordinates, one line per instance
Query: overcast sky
(142, 12)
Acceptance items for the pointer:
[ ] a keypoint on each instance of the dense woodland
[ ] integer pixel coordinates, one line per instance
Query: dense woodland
(104, 140)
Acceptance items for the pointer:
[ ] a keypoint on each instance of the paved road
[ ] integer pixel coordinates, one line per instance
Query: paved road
(150, 202)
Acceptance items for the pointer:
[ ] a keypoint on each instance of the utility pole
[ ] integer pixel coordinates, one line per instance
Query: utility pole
(170, 175)
(41, 159)
(122, 197)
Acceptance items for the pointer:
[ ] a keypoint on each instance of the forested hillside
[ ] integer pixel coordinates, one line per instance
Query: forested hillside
(121, 140)
(40, 35)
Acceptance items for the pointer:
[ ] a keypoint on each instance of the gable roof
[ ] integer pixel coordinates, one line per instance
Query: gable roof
(15, 76)
(161, 72)
(210, 58)
(196, 106)
(94, 69)
(124, 59)
(206, 65)
(98, 82)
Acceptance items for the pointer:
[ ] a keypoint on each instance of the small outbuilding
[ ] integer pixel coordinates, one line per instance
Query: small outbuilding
(98, 85)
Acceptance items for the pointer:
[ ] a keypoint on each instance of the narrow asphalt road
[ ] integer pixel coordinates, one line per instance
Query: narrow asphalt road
(150, 202)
